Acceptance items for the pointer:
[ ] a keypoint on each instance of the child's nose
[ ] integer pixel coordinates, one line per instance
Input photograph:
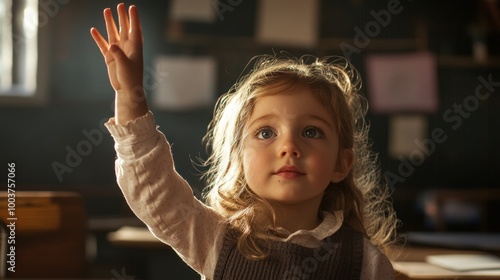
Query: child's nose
(289, 148)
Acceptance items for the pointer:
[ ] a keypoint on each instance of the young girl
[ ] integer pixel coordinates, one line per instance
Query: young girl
(293, 189)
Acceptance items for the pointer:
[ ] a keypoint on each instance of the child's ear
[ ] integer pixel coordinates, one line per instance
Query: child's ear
(344, 164)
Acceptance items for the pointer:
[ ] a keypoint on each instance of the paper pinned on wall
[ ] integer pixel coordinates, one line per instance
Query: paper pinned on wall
(402, 83)
(185, 83)
(406, 135)
(288, 22)
(192, 10)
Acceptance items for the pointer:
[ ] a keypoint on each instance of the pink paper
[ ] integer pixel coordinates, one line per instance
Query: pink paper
(402, 83)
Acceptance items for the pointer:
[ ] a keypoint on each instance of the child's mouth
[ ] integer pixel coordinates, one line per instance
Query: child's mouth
(289, 174)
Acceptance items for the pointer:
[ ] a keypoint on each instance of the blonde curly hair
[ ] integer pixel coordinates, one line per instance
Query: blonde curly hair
(361, 196)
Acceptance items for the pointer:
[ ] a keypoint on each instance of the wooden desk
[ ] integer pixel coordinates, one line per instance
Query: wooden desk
(159, 257)
(409, 263)
(50, 234)
(138, 237)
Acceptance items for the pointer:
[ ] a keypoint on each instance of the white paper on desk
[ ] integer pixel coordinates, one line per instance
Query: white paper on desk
(423, 270)
(402, 83)
(193, 10)
(405, 132)
(465, 262)
(190, 83)
(288, 22)
(131, 234)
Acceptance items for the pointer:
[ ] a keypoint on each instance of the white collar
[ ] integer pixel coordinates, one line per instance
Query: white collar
(311, 238)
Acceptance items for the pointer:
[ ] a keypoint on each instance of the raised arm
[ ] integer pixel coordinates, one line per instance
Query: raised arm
(123, 56)
(145, 171)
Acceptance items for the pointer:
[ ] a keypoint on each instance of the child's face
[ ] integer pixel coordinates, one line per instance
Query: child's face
(291, 148)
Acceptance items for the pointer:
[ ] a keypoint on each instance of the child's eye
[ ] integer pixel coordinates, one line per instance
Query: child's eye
(313, 132)
(265, 133)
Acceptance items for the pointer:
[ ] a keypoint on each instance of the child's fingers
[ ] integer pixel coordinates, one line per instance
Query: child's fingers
(110, 26)
(123, 21)
(135, 24)
(119, 56)
(99, 40)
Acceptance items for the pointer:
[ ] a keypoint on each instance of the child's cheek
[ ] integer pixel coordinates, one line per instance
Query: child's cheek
(250, 161)
(322, 164)
(253, 149)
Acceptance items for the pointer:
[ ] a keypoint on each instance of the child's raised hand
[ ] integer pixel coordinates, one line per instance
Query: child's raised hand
(123, 56)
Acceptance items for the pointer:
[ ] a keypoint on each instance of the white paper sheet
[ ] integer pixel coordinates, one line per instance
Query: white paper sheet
(404, 131)
(423, 270)
(193, 10)
(288, 22)
(185, 83)
(465, 262)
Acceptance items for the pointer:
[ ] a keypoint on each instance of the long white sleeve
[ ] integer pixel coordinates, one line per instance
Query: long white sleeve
(160, 197)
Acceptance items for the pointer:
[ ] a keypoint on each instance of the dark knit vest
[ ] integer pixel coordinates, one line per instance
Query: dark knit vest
(339, 257)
